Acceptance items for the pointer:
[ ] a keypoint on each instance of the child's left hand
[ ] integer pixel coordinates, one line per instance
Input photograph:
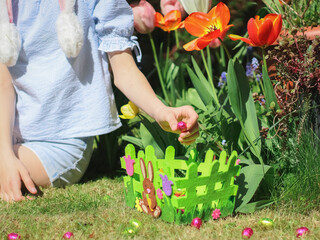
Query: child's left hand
(168, 118)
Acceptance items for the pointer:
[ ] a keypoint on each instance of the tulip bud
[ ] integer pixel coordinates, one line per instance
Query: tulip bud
(143, 14)
(191, 6)
(169, 5)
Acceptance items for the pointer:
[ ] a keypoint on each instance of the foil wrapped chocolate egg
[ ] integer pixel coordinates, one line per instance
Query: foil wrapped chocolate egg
(68, 235)
(196, 222)
(301, 232)
(130, 231)
(247, 233)
(135, 223)
(266, 222)
(182, 126)
(13, 236)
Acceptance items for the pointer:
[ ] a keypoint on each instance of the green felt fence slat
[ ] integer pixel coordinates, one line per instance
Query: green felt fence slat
(207, 184)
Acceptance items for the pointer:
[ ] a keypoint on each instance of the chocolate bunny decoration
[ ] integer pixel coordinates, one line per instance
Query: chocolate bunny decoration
(148, 202)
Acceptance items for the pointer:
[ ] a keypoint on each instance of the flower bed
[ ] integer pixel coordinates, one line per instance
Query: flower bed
(179, 190)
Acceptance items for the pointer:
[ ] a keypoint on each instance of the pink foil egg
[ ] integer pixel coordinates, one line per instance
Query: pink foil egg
(182, 126)
(247, 233)
(12, 236)
(302, 231)
(196, 222)
(68, 235)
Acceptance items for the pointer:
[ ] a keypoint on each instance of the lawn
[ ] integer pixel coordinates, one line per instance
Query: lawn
(97, 210)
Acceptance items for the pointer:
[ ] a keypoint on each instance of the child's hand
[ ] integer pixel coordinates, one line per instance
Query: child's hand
(12, 172)
(169, 117)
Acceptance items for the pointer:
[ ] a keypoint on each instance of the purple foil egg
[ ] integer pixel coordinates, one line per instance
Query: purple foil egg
(68, 235)
(302, 231)
(247, 233)
(182, 126)
(196, 222)
(12, 236)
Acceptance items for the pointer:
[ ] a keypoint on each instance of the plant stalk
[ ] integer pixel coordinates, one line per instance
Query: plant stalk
(158, 67)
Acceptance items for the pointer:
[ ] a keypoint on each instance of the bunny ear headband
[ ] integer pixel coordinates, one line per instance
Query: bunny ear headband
(69, 32)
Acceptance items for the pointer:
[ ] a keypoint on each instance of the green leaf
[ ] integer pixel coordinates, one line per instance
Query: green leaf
(248, 181)
(202, 89)
(148, 139)
(251, 207)
(204, 81)
(194, 99)
(156, 132)
(234, 92)
(201, 76)
(133, 140)
(243, 105)
(270, 95)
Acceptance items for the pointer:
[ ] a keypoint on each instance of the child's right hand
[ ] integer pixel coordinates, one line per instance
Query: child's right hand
(12, 172)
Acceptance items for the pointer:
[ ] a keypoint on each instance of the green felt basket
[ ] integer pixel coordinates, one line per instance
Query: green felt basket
(183, 189)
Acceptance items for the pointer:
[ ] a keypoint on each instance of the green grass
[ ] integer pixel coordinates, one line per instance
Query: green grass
(85, 210)
(297, 166)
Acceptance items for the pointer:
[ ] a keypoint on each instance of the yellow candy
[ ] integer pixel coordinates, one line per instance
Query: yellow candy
(266, 222)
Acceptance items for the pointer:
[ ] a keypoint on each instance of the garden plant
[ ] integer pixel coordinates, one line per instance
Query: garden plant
(251, 70)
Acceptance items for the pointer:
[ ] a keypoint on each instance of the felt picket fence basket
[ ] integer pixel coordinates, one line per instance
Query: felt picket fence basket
(183, 189)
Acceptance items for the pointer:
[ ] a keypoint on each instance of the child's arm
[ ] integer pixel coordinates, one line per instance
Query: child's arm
(129, 79)
(12, 171)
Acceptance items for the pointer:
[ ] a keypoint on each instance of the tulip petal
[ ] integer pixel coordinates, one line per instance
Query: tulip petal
(207, 39)
(277, 25)
(190, 46)
(129, 111)
(197, 24)
(253, 30)
(221, 14)
(237, 37)
(265, 31)
(134, 108)
(172, 20)
(173, 16)
(159, 21)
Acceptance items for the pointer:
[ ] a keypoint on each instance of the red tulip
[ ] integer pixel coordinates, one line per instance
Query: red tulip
(262, 32)
(169, 5)
(207, 27)
(170, 22)
(143, 17)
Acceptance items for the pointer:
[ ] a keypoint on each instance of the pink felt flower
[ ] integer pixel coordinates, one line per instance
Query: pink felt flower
(159, 193)
(216, 213)
(129, 165)
(238, 161)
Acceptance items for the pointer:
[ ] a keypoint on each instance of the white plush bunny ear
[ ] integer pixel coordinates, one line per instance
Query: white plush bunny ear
(69, 29)
(10, 42)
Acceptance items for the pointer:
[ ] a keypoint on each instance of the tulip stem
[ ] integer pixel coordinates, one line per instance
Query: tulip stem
(206, 67)
(158, 67)
(209, 60)
(225, 49)
(177, 38)
(264, 59)
(215, 97)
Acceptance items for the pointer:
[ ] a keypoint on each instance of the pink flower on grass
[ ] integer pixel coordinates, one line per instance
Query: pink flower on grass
(216, 213)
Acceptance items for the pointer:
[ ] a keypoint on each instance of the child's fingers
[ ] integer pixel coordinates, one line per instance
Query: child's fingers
(189, 135)
(189, 116)
(16, 194)
(187, 142)
(189, 138)
(28, 181)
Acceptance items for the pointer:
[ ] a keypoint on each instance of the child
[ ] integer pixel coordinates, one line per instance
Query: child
(54, 99)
